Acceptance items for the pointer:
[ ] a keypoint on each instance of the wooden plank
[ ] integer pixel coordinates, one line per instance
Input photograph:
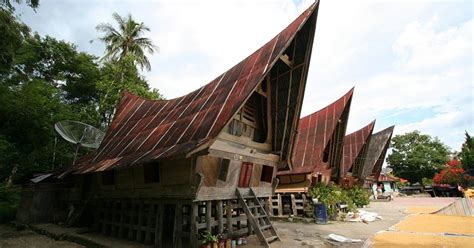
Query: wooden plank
(160, 224)
(151, 213)
(194, 231)
(178, 224)
(158, 228)
(132, 219)
(104, 219)
(113, 225)
(228, 213)
(122, 218)
(140, 222)
(269, 110)
(220, 213)
(208, 215)
(280, 207)
(293, 205)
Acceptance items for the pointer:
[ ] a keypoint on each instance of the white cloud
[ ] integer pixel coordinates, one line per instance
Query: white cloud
(421, 47)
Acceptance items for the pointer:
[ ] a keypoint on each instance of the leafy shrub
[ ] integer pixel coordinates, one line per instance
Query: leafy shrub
(331, 196)
(9, 200)
(359, 196)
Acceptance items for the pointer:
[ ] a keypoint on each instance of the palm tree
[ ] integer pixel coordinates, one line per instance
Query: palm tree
(127, 41)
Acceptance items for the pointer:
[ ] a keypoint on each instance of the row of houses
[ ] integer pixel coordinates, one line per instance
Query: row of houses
(167, 171)
(323, 153)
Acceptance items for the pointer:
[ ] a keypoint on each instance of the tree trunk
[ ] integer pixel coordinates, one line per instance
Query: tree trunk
(12, 174)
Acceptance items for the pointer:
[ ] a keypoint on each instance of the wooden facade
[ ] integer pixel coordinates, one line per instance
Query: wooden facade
(316, 157)
(168, 170)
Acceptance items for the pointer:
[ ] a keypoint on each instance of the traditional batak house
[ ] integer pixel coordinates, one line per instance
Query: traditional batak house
(317, 155)
(168, 170)
(354, 155)
(378, 146)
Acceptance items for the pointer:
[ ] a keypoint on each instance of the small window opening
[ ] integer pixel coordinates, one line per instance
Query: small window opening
(267, 174)
(326, 152)
(224, 169)
(151, 173)
(108, 177)
(320, 178)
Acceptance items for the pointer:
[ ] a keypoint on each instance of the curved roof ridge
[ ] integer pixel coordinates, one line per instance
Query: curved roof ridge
(343, 98)
(144, 130)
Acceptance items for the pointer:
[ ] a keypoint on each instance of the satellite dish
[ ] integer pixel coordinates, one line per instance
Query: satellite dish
(386, 170)
(80, 134)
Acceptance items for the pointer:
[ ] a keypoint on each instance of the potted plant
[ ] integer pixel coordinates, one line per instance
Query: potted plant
(209, 240)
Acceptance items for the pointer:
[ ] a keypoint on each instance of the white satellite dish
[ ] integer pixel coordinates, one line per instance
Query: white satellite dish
(80, 134)
(386, 170)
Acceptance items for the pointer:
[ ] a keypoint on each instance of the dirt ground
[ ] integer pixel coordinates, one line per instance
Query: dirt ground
(291, 234)
(10, 237)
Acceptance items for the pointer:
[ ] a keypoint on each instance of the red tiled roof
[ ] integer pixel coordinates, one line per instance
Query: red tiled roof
(355, 148)
(145, 130)
(314, 134)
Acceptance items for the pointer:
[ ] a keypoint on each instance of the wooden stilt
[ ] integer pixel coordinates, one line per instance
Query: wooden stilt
(220, 221)
(208, 215)
(140, 222)
(149, 223)
(228, 213)
(178, 224)
(293, 205)
(280, 207)
(132, 219)
(160, 224)
(194, 231)
(158, 228)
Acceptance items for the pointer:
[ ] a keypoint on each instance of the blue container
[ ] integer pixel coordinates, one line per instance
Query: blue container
(320, 213)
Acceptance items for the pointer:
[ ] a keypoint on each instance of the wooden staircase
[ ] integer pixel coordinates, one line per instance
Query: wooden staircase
(258, 218)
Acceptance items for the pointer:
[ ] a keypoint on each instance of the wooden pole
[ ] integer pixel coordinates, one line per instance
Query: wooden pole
(228, 213)
(194, 231)
(220, 221)
(208, 215)
(293, 205)
(280, 207)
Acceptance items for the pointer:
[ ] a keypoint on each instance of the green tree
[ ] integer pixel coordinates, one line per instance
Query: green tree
(467, 154)
(416, 156)
(127, 41)
(110, 91)
(7, 4)
(13, 34)
(42, 81)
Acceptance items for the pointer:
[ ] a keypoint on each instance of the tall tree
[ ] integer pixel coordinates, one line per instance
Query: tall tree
(13, 33)
(126, 41)
(7, 4)
(416, 156)
(467, 154)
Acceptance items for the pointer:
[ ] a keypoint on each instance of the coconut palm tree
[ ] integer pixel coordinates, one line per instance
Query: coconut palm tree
(126, 41)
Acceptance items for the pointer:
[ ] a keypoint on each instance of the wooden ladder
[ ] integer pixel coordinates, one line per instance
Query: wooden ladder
(257, 217)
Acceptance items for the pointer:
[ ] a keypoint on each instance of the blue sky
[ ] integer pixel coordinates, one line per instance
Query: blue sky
(410, 61)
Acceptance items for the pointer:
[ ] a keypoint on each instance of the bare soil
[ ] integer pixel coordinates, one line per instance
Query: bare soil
(11, 237)
(292, 234)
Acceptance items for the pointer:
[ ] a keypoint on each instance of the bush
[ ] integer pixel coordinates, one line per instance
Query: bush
(331, 196)
(359, 196)
(9, 200)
